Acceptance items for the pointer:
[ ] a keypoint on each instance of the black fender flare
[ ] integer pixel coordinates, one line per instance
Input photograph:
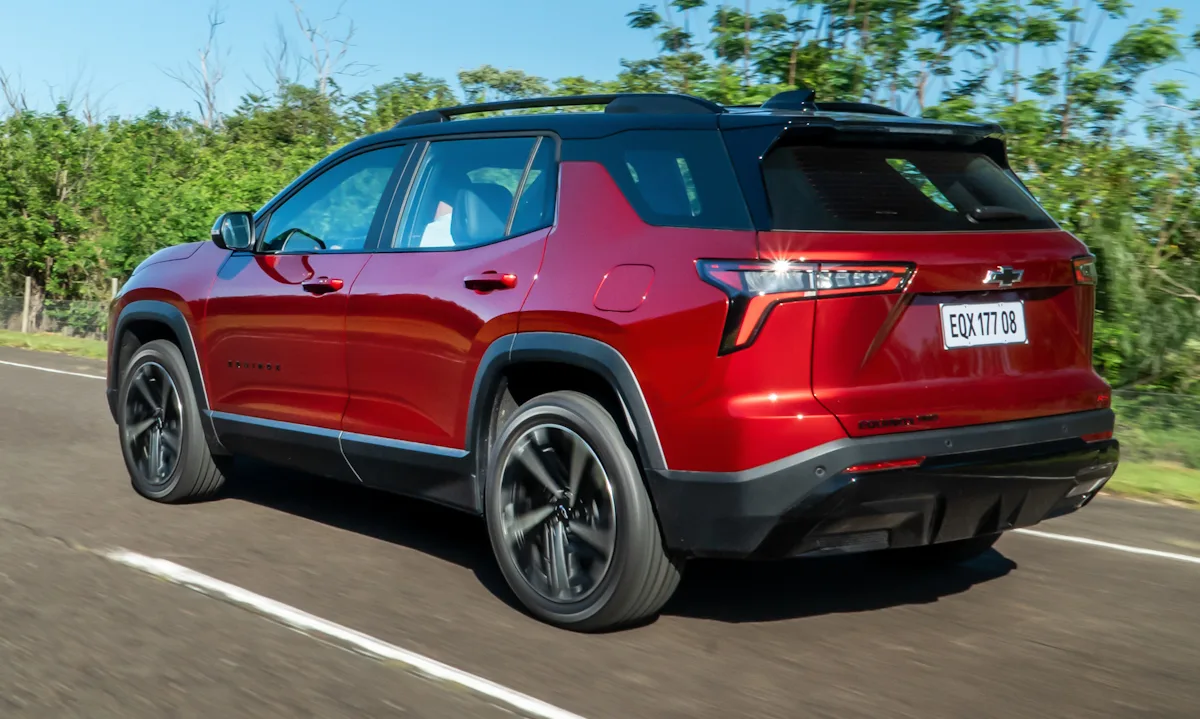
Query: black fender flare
(170, 316)
(583, 352)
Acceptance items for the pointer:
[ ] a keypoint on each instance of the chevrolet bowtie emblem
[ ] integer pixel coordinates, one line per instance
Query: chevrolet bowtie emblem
(1004, 276)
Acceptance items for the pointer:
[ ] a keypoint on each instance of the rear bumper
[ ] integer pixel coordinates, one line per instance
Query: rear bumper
(974, 480)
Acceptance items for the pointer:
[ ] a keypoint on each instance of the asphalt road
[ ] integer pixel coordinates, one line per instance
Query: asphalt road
(1039, 628)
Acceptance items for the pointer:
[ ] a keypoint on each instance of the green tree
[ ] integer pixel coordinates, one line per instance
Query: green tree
(45, 163)
(384, 105)
(1104, 136)
(486, 83)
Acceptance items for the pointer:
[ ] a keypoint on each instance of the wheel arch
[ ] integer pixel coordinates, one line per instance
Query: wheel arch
(584, 354)
(144, 321)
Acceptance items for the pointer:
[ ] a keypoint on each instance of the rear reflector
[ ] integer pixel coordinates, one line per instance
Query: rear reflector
(1098, 436)
(754, 287)
(885, 465)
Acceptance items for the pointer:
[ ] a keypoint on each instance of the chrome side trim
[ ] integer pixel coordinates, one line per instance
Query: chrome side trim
(275, 424)
(403, 445)
(341, 436)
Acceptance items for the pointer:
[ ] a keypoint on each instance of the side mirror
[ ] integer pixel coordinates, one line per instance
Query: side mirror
(234, 231)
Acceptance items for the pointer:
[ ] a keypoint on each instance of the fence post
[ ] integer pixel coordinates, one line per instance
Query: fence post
(113, 294)
(25, 308)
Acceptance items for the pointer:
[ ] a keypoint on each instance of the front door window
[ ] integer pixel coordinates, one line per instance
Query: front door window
(333, 212)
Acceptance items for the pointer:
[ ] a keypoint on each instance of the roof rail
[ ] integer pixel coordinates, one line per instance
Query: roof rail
(651, 103)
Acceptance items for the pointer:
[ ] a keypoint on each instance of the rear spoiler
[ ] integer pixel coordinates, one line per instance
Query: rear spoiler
(769, 131)
(876, 123)
(748, 139)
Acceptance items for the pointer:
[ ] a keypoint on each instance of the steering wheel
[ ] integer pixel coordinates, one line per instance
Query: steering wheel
(292, 234)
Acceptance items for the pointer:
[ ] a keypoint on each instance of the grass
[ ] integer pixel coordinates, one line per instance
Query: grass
(76, 346)
(1157, 480)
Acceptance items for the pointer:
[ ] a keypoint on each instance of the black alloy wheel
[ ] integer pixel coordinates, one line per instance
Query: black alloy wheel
(159, 421)
(570, 521)
(153, 431)
(558, 516)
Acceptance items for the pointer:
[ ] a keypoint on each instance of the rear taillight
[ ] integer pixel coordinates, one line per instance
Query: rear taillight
(754, 287)
(1085, 270)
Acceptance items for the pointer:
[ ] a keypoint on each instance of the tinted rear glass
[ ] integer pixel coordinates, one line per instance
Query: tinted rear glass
(674, 178)
(894, 189)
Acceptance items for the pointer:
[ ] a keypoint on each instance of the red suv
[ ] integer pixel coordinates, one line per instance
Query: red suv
(666, 330)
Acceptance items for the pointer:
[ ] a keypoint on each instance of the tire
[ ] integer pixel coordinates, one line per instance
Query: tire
(187, 473)
(946, 553)
(610, 508)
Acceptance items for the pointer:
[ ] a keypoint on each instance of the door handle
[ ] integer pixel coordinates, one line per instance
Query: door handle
(322, 285)
(490, 280)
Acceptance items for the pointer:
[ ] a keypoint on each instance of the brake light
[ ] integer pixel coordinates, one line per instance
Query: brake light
(1098, 436)
(754, 287)
(885, 465)
(1085, 270)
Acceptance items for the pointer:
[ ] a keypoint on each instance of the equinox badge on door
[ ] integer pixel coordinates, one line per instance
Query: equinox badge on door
(1004, 276)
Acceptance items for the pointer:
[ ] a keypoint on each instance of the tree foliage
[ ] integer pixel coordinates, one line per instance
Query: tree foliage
(1107, 138)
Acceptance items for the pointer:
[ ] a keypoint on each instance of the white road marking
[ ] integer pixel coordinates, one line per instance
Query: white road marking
(1110, 545)
(305, 622)
(55, 371)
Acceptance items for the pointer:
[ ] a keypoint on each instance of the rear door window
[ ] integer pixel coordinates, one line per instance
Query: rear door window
(535, 207)
(464, 191)
(894, 189)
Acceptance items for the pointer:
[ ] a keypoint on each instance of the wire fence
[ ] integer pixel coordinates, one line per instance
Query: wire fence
(11, 309)
(1158, 427)
(70, 318)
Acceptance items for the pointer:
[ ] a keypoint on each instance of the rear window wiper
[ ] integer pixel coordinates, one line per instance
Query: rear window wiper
(995, 213)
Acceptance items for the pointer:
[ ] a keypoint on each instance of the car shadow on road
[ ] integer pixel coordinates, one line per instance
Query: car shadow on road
(726, 591)
(789, 589)
(438, 531)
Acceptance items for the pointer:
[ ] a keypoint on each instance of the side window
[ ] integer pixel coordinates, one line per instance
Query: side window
(463, 193)
(672, 178)
(335, 210)
(535, 208)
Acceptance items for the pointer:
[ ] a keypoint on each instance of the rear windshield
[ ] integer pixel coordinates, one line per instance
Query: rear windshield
(894, 189)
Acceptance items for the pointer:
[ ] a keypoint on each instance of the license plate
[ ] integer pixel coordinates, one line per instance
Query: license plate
(996, 323)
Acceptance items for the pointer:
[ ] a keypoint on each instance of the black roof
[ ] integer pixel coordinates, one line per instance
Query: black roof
(620, 112)
(656, 111)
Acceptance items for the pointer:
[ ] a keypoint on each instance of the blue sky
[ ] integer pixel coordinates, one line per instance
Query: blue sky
(118, 49)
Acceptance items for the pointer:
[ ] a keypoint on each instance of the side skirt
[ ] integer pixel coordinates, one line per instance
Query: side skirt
(439, 474)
